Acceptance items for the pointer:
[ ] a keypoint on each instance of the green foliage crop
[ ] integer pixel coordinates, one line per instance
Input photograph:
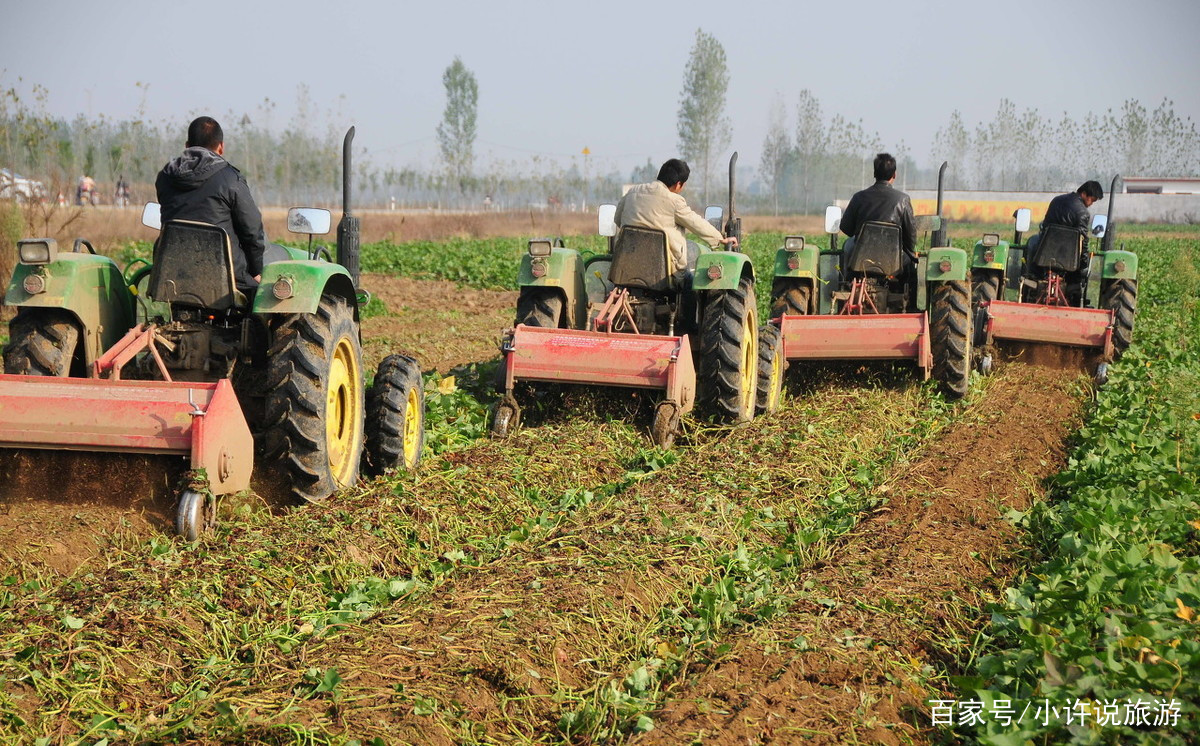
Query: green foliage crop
(1112, 615)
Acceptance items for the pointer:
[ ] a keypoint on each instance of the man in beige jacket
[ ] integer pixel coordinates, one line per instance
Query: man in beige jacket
(660, 205)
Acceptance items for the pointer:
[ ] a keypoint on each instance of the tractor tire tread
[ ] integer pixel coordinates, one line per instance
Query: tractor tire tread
(950, 333)
(386, 414)
(719, 369)
(42, 343)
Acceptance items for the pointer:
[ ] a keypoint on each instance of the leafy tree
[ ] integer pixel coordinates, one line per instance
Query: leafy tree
(704, 130)
(456, 133)
(777, 149)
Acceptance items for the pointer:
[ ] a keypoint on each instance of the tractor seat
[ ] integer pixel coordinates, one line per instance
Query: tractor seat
(193, 265)
(1059, 248)
(639, 260)
(876, 250)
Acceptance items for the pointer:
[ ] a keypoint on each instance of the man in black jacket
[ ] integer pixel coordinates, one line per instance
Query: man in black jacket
(1071, 210)
(882, 202)
(201, 185)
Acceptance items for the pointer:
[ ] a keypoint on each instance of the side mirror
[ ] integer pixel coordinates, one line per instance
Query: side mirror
(152, 216)
(1023, 216)
(714, 215)
(311, 220)
(833, 219)
(607, 220)
(1099, 225)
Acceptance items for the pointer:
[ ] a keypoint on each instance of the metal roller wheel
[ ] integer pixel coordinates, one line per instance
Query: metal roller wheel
(506, 417)
(195, 516)
(666, 424)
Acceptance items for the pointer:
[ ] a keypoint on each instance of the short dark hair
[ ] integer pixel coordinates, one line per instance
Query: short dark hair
(204, 132)
(1091, 189)
(673, 172)
(885, 166)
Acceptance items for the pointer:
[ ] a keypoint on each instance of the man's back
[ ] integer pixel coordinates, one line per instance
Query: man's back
(653, 205)
(201, 185)
(886, 204)
(1069, 210)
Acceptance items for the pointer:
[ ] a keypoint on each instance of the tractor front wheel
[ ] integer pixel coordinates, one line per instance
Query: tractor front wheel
(950, 332)
(541, 307)
(395, 426)
(1120, 297)
(43, 342)
(728, 362)
(790, 297)
(314, 406)
(770, 369)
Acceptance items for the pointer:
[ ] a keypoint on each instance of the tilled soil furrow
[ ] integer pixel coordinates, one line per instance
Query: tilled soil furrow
(851, 659)
(500, 652)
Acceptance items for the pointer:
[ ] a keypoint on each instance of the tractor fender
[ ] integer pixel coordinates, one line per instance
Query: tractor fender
(807, 261)
(957, 269)
(730, 268)
(309, 279)
(563, 269)
(88, 286)
(1120, 265)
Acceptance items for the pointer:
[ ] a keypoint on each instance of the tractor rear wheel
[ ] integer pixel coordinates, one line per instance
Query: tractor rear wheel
(1121, 298)
(43, 342)
(950, 333)
(728, 361)
(539, 307)
(985, 288)
(770, 369)
(790, 298)
(395, 426)
(314, 407)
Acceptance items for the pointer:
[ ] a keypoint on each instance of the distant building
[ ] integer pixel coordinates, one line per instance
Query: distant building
(1161, 185)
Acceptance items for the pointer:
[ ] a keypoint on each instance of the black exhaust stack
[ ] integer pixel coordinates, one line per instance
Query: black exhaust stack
(939, 236)
(733, 225)
(348, 227)
(1110, 231)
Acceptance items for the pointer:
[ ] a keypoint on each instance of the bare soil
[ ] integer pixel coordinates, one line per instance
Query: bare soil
(435, 321)
(843, 665)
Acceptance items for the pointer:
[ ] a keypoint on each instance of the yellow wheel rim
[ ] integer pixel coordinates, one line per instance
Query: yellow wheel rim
(776, 392)
(413, 426)
(749, 359)
(343, 412)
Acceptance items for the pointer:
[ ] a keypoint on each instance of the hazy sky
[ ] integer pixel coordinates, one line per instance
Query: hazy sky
(555, 77)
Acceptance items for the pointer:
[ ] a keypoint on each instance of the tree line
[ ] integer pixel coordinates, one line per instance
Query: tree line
(809, 156)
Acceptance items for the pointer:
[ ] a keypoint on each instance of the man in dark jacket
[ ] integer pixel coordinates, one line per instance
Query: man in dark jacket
(882, 202)
(1071, 210)
(201, 185)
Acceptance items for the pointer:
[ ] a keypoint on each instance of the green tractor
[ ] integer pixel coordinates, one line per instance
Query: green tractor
(1058, 293)
(623, 319)
(871, 305)
(170, 357)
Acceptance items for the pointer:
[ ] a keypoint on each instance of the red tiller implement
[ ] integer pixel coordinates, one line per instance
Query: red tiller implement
(885, 336)
(647, 361)
(1055, 324)
(202, 421)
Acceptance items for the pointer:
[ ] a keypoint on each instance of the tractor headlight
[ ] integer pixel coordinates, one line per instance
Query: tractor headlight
(1119, 265)
(989, 256)
(283, 288)
(34, 284)
(945, 266)
(540, 247)
(714, 272)
(538, 267)
(793, 261)
(793, 243)
(991, 239)
(37, 250)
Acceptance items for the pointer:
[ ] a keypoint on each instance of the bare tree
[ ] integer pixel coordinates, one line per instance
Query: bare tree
(777, 149)
(456, 133)
(704, 130)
